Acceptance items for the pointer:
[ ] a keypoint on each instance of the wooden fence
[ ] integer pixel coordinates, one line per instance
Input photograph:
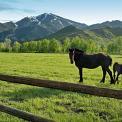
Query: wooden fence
(23, 115)
(92, 90)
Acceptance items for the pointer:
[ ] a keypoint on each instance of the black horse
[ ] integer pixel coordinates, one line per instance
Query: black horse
(83, 60)
(117, 68)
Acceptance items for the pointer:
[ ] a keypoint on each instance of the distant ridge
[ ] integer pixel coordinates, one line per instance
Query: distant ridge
(69, 31)
(49, 25)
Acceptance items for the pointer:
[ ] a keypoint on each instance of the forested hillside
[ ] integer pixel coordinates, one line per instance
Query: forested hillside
(113, 46)
(54, 34)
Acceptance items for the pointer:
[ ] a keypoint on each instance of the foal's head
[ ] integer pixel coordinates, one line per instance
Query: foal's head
(72, 52)
(115, 66)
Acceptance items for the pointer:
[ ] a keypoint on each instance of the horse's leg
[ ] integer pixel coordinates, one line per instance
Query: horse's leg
(117, 78)
(81, 74)
(110, 74)
(104, 74)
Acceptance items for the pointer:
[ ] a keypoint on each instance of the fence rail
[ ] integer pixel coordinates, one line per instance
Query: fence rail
(92, 90)
(23, 115)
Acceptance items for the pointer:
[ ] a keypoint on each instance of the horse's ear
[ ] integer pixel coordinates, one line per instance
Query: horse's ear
(116, 63)
(82, 51)
(69, 49)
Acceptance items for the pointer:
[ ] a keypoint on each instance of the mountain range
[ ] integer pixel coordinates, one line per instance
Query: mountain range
(53, 26)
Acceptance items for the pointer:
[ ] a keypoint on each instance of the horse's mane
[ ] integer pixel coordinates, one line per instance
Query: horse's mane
(81, 51)
(76, 50)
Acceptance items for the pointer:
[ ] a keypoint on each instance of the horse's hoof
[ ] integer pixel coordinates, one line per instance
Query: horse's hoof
(112, 82)
(102, 81)
(80, 81)
(117, 82)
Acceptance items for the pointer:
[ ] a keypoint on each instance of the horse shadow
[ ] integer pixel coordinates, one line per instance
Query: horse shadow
(25, 94)
(30, 93)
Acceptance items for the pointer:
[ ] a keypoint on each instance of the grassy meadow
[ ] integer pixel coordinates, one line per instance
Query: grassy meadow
(58, 105)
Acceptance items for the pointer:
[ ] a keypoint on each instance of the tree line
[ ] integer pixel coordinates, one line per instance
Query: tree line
(55, 46)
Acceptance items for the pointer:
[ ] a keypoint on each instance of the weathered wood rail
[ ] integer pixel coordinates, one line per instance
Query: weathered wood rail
(92, 90)
(23, 115)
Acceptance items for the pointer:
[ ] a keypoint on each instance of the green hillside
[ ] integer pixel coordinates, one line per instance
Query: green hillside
(101, 33)
(70, 32)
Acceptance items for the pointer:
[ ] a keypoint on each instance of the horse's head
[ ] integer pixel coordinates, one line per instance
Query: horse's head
(74, 51)
(71, 55)
(115, 66)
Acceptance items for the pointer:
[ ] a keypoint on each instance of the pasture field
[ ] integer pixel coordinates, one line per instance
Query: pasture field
(58, 105)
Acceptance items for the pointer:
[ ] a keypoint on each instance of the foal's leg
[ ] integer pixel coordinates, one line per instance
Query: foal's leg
(117, 78)
(81, 74)
(114, 75)
(110, 74)
(104, 74)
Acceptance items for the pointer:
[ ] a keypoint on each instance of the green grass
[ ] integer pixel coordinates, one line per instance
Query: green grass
(55, 104)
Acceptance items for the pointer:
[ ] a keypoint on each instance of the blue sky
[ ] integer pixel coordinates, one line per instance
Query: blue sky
(84, 11)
